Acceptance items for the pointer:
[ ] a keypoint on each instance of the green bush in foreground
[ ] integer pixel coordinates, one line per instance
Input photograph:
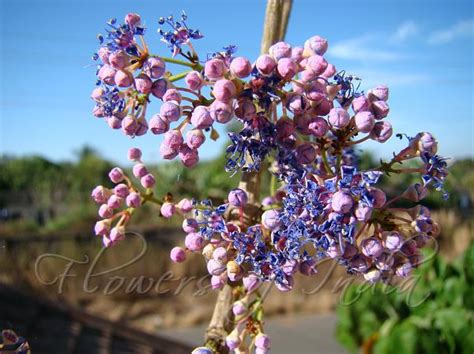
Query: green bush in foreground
(433, 314)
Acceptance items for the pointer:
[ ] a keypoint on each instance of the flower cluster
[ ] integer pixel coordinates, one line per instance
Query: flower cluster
(300, 120)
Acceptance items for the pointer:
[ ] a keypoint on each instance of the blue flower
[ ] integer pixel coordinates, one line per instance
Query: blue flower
(179, 34)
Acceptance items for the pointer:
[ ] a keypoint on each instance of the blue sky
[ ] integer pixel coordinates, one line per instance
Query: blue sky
(422, 49)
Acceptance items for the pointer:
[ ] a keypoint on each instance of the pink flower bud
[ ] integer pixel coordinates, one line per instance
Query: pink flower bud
(114, 122)
(105, 211)
(154, 67)
(121, 190)
(217, 282)
(379, 93)
(195, 138)
(117, 234)
(290, 267)
(220, 111)
(104, 53)
(381, 132)
(170, 111)
(305, 153)
(188, 156)
(403, 270)
(185, 205)
(316, 64)
(220, 255)
(287, 68)
(232, 341)
(341, 202)
(147, 181)
(201, 117)
(329, 71)
(280, 50)
(134, 154)
(379, 197)
(371, 247)
(262, 341)
(237, 197)
(167, 210)
(139, 170)
(100, 194)
(194, 80)
(380, 109)
(122, 79)
(97, 93)
(364, 121)
(215, 268)
(307, 76)
(142, 127)
(215, 69)
(239, 308)
(118, 60)
(173, 139)
(102, 227)
(167, 152)
(392, 240)
(133, 200)
(296, 103)
(251, 282)
(297, 54)
(143, 84)
(240, 67)
(129, 125)
(190, 225)
(224, 90)
(360, 104)
(265, 64)
(285, 128)
(318, 126)
(114, 202)
(363, 212)
(159, 88)
(178, 255)
(426, 143)
(116, 175)
(415, 192)
(172, 95)
(323, 108)
(339, 118)
(107, 74)
(158, 125)
(316, 45)
(132, 19)
(245, 109)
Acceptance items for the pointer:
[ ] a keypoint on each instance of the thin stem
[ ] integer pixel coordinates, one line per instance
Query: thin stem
(326, 162)
(178, 77)
(178, 61)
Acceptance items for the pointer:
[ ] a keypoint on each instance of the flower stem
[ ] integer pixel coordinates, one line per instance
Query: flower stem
(178, 61)
(178, 77)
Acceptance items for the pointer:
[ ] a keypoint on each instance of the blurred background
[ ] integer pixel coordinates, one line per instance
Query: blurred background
(53, 152)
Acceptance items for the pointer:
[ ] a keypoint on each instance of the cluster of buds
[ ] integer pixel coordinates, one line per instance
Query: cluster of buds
(296, 111)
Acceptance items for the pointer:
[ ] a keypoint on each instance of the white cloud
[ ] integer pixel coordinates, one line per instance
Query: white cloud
(404, 31)
(371, 78)
(360, 49)
(460, 29)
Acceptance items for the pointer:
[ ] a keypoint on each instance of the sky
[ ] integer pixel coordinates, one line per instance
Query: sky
(421, 49)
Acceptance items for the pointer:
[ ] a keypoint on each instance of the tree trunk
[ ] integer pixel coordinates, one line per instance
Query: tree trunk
(276, 21)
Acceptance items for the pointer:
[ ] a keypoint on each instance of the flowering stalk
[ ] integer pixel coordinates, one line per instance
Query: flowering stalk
(302, 121)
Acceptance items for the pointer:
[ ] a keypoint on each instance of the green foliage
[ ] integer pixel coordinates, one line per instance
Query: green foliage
(433, 313)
